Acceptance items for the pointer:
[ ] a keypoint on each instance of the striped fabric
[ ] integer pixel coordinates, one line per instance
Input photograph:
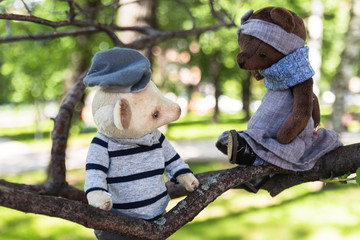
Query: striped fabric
(131, 170)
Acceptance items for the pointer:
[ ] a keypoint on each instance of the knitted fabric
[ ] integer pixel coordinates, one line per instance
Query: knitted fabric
(131, 170)
(289, 71)
(125, 70)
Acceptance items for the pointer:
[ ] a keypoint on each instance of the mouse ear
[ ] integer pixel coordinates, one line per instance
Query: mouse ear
(283, 18)
(122, 114)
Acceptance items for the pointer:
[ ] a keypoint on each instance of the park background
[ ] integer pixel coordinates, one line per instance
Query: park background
(201, 74)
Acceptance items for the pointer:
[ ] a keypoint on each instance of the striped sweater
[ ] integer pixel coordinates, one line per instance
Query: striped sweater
(131, 170)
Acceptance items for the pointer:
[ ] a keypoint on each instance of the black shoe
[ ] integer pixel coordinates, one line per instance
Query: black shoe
(222, 148)
(239, 151)
(255, 184)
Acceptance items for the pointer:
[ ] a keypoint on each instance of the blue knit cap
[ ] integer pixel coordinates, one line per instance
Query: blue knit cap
(127, 70)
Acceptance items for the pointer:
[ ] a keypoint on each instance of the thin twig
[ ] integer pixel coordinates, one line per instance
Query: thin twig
(180, 2)
(215, 13)
(71, 13)
(161, 36)
(27, 8)
(50, 35)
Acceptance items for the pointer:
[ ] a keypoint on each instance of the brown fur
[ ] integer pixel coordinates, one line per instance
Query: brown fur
(256, 55)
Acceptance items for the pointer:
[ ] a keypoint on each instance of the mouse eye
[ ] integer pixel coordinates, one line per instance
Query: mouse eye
(156, 114)
(262, 54)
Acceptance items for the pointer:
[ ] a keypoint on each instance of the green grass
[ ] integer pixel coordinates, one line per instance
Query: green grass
(332, 213)
(191, 126)
(15, 225)
(303, 212)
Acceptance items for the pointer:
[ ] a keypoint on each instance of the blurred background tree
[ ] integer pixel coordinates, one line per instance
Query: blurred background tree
(201, 69)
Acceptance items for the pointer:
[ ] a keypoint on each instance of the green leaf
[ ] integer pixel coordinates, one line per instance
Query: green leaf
(345, 176)
(357, 178)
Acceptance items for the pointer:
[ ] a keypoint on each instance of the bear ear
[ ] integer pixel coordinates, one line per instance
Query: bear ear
(283, 18)
(122, 114)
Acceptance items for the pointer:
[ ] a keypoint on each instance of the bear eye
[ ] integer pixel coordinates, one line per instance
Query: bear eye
(262, 54)
(156, 114)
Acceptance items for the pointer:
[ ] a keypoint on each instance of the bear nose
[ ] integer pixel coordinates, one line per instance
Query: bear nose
(240, 60)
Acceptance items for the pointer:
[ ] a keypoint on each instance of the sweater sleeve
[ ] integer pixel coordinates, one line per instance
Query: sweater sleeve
(97, 164)
(174, 165)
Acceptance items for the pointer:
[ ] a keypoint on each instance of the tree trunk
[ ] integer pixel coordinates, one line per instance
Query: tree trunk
(214, 75)
(136, 13)
(346, 68)
(315, 27)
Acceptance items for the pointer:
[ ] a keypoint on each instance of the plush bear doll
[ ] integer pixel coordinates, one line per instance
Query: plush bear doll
(282, 130)
(128, 155)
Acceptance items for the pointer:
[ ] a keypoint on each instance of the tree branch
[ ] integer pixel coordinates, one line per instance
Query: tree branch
(193, 20)
(340, 161)
(27, 8)
(33, 19)
(90, 26)
(184, 212)
(71, 13)
(213, 184)
(60, 133)
(161, 36)
(50, 35)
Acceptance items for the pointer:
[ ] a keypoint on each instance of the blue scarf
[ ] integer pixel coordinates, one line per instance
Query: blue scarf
(289, 71)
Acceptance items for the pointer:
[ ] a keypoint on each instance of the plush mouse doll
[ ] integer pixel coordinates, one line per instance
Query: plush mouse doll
(128, 155)
(282, 130)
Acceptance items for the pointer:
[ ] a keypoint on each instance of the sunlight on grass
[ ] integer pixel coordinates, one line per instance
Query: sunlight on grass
(305, 216)
(15, 225)
(201, 130)
(193, 126)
